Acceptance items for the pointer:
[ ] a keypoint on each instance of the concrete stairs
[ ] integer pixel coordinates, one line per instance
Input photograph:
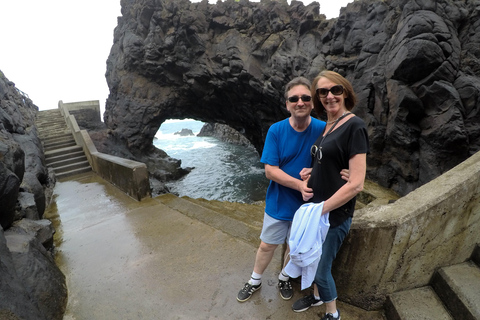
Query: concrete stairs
(62, 154)
(453, 294)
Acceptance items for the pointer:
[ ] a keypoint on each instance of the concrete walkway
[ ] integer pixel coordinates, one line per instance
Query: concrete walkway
(125, 259)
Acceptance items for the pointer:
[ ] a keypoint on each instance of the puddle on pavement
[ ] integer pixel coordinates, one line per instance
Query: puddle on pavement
(89, 216)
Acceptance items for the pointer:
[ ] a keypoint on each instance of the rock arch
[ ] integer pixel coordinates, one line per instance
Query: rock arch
(413, 64)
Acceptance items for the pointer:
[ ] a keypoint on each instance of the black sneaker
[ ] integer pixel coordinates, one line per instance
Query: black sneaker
(330, 316)
(286, 291)
(305, 303)
(247, 291)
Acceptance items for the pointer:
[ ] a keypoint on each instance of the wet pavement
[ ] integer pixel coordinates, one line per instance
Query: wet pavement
(125, 259)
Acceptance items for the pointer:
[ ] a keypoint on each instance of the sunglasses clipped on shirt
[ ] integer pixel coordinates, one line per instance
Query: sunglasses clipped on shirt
(335, 90)
(304, 97)
(316, 152)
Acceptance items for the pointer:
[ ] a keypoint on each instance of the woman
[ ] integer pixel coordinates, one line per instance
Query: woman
(343, 144)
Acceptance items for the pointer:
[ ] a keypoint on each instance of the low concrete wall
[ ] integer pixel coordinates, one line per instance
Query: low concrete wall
(399, 246)
(128, 175)
(85, 112)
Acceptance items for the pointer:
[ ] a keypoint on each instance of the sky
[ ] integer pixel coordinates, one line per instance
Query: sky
(57, 49)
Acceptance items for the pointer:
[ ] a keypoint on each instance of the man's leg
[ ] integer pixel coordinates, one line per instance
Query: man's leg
(274, 232)
(284, 285)
(264, 256)
(262, 260)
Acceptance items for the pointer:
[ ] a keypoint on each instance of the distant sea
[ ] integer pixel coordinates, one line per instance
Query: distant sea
(223, 171)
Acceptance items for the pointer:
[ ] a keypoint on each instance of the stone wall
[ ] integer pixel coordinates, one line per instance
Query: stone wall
(400, 245)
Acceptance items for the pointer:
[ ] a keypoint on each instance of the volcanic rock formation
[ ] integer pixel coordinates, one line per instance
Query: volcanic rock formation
(31, 284)
(413, 63)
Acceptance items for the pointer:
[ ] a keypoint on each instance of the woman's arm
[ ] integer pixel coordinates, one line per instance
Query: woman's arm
(358, 169)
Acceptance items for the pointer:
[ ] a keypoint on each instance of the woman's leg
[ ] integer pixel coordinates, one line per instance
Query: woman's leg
(323, 278)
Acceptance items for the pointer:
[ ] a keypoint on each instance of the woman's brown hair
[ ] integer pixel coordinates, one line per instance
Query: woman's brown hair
(349, 94)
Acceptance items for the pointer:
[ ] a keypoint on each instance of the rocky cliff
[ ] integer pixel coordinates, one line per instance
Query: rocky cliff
(31, 285)
(414, 64)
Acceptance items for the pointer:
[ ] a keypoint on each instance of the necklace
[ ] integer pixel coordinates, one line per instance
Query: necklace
(319, 147)
(330, 122)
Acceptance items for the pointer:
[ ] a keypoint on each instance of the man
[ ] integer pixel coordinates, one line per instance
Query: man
(286, 152)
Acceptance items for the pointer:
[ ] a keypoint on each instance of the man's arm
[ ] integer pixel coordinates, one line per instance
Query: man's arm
(276, 174)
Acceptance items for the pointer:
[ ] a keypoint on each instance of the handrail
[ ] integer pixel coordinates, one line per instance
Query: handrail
(129, 176)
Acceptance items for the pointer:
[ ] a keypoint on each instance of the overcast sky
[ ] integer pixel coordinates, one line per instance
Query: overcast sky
(57, 49)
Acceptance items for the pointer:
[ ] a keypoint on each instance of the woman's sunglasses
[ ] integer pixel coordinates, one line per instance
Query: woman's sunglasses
(335, 90)
(304, 97)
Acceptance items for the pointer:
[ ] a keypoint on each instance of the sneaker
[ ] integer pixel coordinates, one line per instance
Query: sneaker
(286, 291)
(247, 291)
(305, 303)
(330, 316)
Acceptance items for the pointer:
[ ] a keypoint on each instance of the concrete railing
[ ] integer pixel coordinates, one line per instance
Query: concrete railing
(399, 246)
(129, 176)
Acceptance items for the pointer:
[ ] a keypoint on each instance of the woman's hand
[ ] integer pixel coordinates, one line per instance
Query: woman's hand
(305, 173)
(345, 174)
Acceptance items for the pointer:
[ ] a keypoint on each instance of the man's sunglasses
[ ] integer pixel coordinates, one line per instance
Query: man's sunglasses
(304, 97)
(335, 90)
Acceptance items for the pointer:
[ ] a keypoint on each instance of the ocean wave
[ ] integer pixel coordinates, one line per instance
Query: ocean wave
(203, 145)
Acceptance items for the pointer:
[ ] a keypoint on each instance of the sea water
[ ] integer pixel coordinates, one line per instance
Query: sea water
(222, 171)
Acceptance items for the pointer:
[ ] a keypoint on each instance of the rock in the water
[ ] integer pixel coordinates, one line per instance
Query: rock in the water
(185, 132)
(224, 133)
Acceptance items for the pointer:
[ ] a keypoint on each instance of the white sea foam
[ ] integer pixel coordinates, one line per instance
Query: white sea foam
(203, 145)
(221, 171)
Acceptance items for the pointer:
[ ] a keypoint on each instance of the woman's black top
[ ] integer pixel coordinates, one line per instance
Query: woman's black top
(338, 147)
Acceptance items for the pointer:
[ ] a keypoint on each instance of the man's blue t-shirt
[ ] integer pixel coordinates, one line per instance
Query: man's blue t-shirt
(290, 151)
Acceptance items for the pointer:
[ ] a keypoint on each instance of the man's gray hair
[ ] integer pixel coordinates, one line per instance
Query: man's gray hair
(298, 81)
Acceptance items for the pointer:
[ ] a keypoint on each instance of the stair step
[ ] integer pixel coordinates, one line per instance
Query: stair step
(249, 214)
(52, 141)
(52, 127)
(72, 160)
(459, 288)
(70, 173)
(50, 120)
(60, 137)
(65, 156)
(59, 145)
(52, 133)
(72, 166)
(215, 219)
(45, 121)
(62, 151)
(421, 303)
(46, 125)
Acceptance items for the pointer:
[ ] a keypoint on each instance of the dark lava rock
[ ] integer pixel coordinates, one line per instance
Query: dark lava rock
(415, 65)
